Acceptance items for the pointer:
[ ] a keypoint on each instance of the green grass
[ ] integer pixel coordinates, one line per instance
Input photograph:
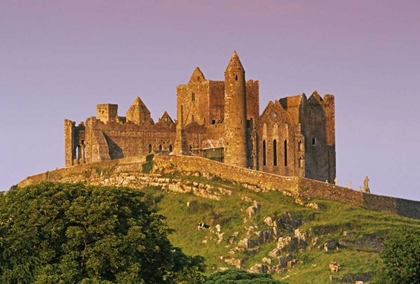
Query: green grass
(327, 223)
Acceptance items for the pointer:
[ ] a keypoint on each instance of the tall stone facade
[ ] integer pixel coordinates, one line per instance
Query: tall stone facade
(219, 120)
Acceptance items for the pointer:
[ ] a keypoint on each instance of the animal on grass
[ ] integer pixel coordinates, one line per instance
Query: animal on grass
(203, 226)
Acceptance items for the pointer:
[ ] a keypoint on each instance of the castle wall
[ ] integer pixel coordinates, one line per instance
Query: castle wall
(99, 147)
(127, 172)
(217, 101)
(257, 180)
(252, 100)
(276, 139)
(195, 136)
(318, 128)
(69, 143)
(74, 143)
(247, 177)
(293, 106)
(115, 141)
(194, 99)
(309, 189)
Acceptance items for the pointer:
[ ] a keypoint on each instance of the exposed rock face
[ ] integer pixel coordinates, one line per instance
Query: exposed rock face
(238, 263)
(368, 241)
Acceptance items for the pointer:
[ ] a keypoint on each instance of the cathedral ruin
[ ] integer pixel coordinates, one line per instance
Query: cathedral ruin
(218, 120)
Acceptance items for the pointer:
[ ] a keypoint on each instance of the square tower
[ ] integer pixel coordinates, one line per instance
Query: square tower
(107, 112)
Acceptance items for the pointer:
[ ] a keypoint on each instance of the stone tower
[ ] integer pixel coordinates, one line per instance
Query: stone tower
(235, 135)
(181, 143)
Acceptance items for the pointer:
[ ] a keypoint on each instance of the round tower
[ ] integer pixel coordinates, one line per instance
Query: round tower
(235, 138)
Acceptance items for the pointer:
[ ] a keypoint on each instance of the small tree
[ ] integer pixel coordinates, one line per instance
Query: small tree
(72, 233)
(401, 258)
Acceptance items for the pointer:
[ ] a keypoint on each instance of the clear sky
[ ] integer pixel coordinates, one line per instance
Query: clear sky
(58, 59)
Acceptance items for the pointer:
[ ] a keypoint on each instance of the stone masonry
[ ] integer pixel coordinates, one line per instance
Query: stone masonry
(129, 172)
(218, 120)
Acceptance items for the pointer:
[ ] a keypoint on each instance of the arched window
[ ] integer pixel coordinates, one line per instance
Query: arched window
(150, 148)
(170, 148)
(300, 146)
(274, 152)
(285, 153)
(301, 162)
(313, 141)
(236, 77)
(78, 152)
(264, 148)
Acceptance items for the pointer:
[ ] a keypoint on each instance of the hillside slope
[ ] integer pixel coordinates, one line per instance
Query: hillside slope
(269, 232)
(258, 222)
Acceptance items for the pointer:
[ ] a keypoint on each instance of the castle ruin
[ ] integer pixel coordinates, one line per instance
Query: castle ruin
(218, 120)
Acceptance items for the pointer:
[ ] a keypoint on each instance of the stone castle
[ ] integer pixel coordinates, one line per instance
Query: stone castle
(218, 120)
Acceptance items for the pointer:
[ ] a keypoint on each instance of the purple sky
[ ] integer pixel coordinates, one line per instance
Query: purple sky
(58, 59)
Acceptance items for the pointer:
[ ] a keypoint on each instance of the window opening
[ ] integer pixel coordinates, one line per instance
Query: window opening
(274, 152)
(301, 162)
(236, 77)
(78, 152)
(285, 153)
(313, 141)
(300, 146)
(249, 123)
(193, 96)
(150, 148)
(264, 154)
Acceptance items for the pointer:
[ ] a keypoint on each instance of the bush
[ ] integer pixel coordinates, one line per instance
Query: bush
(401, 258)
(72, 233)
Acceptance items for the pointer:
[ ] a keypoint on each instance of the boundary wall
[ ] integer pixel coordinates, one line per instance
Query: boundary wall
(301, 188)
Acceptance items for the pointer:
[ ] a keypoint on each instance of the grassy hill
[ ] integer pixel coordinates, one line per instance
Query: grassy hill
(251, 240)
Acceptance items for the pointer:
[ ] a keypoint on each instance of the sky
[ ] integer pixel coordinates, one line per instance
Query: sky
(58, 59)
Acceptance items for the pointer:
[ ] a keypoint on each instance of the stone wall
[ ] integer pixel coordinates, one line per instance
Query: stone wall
(253, 179)
(318, 128)
(309, 189)
(128, 172)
